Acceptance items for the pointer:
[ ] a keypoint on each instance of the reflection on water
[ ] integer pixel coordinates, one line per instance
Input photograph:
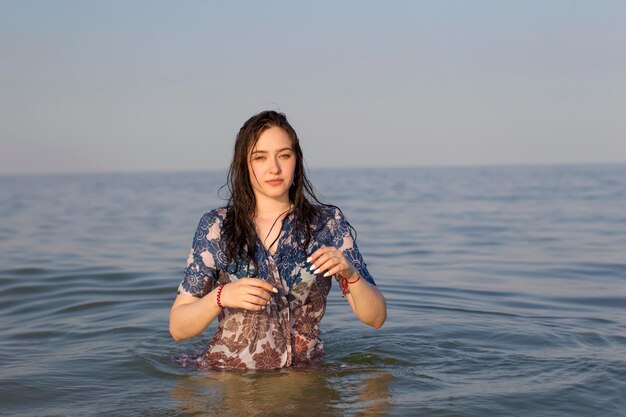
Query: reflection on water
(293, 392)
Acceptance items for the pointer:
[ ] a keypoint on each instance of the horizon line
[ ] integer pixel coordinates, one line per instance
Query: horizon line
(324, 168)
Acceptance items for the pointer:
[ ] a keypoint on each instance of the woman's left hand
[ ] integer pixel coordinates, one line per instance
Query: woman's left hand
(366, 301)
(329, 261)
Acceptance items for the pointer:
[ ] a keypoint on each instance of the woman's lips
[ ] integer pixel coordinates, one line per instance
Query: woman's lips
(274, 182)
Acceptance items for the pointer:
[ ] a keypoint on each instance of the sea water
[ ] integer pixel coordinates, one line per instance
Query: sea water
(505, 288)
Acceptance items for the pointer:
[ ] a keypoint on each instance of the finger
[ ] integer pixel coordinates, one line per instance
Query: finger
(325, 266)
(252, 307)
(322, 259)
(259, 292)
(257, 282)
(253, 299)
(318, 253)
(333, 271)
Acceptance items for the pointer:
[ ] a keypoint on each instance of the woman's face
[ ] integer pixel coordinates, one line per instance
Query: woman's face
(271, 165)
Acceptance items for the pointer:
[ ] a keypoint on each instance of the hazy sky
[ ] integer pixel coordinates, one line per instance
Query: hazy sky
(156, 85)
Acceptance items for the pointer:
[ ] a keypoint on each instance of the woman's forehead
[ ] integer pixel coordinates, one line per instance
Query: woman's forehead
(273, 139)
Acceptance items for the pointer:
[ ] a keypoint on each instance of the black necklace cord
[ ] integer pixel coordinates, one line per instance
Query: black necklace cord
(271, 228)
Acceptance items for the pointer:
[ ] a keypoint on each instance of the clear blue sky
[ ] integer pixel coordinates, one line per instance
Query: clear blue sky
(156, 85)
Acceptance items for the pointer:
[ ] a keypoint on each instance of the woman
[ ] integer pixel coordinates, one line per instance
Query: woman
(263, 264)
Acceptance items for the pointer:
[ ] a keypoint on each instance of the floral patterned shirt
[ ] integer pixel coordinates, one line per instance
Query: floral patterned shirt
(284, 333)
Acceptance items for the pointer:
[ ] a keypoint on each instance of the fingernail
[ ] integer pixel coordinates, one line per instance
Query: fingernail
(316, 271)
(325, 274)
(308, 259)
(312, 267)
(274, 289)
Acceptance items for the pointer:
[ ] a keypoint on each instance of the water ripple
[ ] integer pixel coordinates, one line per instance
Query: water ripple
(505, 293)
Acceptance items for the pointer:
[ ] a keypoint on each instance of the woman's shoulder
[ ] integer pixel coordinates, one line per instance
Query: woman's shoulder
(328, 215)
(212, 217)
(327, 211)
(218, 212)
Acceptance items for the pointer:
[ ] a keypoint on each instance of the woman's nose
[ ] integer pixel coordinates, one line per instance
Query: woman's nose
(275, 165)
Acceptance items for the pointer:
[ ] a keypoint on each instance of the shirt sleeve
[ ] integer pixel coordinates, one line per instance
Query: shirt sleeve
(201, 270)
(346, 243)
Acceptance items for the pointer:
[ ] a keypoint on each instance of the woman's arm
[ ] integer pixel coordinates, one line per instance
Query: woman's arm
(366, 300)
(368, 303)
(190, 315)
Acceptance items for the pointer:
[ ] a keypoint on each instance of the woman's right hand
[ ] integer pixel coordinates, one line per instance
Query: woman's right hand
(248, 293)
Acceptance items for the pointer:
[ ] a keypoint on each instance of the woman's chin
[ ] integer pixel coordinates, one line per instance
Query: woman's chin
(277, 193)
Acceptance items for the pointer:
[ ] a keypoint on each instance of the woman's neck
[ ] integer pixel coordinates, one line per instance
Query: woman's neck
(270, 208)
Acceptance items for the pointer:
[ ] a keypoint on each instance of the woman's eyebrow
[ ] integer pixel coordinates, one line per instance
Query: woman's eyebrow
(280, 150)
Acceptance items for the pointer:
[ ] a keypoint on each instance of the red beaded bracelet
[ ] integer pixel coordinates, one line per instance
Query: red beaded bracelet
(219, 295)
(344, 284)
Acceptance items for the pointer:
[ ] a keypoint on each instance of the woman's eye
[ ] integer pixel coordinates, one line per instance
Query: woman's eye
(286, 156)
(258, 158)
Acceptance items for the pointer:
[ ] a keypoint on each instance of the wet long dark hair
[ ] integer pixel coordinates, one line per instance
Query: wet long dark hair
(238, 231)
